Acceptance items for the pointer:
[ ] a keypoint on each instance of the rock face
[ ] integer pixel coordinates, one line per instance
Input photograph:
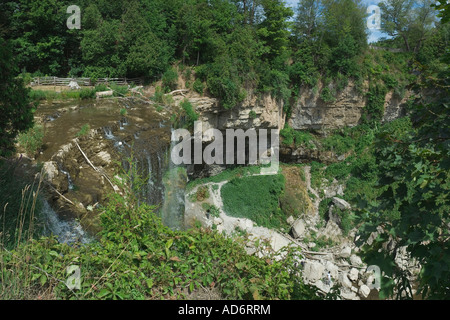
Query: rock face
(312, 113)
(254, 112)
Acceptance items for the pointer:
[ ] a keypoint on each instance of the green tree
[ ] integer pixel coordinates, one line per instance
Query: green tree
(412, 210)
(411, 20)
(15, 107)
(274, 28)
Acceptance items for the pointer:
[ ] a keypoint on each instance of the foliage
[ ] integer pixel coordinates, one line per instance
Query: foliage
(170, 79)
(190, 115)
(136, 257)
(31, 140)
(198, 86)
(412, 207)
(84, 130)
(256, 198)
(15, 106)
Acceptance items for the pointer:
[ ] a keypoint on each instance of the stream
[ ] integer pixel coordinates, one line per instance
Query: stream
(129, 130)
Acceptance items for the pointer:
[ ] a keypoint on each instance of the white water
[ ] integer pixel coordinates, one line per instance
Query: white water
(65, 231)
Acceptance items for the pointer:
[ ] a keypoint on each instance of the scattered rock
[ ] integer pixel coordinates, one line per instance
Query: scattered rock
(353, 275)
(344, 280)
(313, 271)
(333, 269)
(298, 228)
(364, 291)
(355, 260)
(341, 204)
(290, 220)
(345, 252)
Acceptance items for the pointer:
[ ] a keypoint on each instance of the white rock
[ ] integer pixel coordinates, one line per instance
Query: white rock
(355, 260)
(345, 252)
(313, 271)
(217, 221)
(290, 220)
(341, 204)
(343, 279)
(311, 245)
(353, 275)
(349, 295)
(298, 228)
(364, 291)
(334, 270)
(322, 286)
(277, 241)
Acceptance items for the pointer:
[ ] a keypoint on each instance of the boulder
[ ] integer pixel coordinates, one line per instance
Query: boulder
(344, 280)
(355, 260)
(313, 271)
(345, 252)
(364, 291)
(290, 220)
(334, 270)
(298, 228)
(353, 274)
(341, 204)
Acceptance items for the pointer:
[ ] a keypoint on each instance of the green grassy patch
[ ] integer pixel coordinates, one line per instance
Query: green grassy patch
(256, 198)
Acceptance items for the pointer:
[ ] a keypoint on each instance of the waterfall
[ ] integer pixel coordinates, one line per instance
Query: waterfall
(174, 181)
(65, 231)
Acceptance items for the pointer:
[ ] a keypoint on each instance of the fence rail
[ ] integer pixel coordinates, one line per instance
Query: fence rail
(56, 81)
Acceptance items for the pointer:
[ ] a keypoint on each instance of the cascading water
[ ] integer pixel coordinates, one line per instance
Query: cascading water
(66, 231)
(144, 134)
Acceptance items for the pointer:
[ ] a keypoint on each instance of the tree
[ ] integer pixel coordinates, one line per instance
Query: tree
(412, 210)
(274, 28)
(409, 19)
(15, 107)
(308, 20)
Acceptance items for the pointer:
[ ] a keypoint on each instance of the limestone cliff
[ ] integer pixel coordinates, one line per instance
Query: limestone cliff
(309, 111)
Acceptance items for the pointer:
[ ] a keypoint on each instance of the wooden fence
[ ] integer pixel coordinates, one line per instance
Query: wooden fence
(56, 81)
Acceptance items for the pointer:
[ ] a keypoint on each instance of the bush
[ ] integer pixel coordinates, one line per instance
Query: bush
(87, 94)
(84, 130)
(170, 80)
(31, 140)
(190, 114)
(327, 96)
(198, 86)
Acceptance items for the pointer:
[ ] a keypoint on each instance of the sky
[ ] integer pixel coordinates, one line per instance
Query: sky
(373, 34)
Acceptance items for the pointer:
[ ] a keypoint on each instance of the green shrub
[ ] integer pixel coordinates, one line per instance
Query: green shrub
(119, 91)
(198, 86)
(170, 80)
(191, 115)
(31, 140)
(327, 96)
(87, 93)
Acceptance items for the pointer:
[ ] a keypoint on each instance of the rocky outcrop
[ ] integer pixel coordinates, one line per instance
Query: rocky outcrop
(254, 112)
(311, 112)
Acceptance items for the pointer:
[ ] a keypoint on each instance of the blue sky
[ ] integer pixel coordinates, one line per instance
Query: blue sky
(373, 35)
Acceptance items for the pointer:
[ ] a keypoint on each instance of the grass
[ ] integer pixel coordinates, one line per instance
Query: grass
(83, 131)
(256, 198)
(31, 140)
